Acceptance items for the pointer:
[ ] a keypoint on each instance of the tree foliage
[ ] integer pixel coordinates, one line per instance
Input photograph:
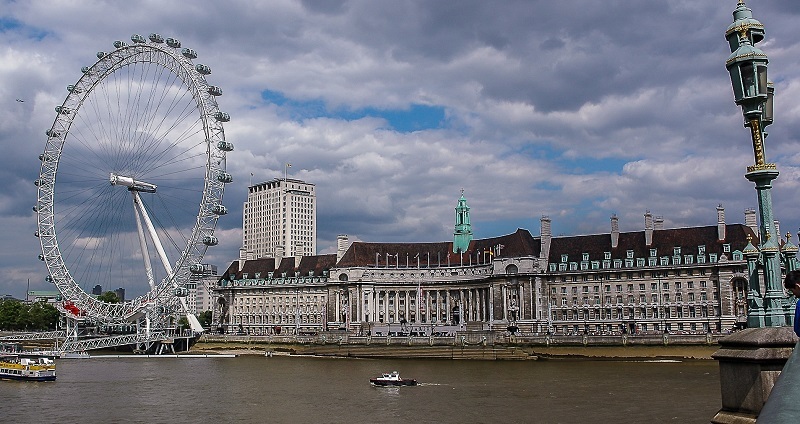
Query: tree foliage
(16, 316)
(108, 297)
(205, 318)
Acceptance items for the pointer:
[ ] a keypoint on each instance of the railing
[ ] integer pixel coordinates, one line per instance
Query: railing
(44, 335)
(782, 405)
(105, 342)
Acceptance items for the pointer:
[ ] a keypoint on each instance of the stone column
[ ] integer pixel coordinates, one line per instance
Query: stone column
(749, 363)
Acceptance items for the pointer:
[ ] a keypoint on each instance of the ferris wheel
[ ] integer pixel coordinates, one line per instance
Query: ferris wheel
(131, 181)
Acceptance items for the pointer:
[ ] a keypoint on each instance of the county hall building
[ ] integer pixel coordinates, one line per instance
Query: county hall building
(684, 280)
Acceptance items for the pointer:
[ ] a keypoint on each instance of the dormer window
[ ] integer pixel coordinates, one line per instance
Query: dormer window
(676, 251)
(607, 255)
(726, 248)
(564, 258)
(701, 250)
(585, 256)
(653, 253)
(629, 254)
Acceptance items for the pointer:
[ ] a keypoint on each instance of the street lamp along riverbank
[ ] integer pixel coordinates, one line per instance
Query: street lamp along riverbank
(753, 92)
(751, 360)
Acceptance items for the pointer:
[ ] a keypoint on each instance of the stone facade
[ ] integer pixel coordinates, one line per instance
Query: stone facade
(685, 280)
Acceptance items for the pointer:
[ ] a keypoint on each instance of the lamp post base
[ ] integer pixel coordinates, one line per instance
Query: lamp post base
(749, 363)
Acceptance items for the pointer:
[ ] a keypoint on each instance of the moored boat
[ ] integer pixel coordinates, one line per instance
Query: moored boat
(392, 379)
(27, 368)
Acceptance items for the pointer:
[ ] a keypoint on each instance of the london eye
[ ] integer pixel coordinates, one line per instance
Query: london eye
(131, 183)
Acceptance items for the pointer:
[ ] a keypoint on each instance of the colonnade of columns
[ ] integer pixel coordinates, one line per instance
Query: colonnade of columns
(422, 304)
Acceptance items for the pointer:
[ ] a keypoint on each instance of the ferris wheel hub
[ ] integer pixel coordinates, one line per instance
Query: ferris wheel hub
(132, 184)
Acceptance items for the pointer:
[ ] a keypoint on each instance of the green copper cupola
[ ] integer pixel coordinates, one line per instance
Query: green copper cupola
(463, 231)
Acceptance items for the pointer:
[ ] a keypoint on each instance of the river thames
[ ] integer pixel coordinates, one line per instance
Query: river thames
(281, 389)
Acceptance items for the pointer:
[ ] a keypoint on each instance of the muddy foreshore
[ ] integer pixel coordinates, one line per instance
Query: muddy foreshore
(497, 352)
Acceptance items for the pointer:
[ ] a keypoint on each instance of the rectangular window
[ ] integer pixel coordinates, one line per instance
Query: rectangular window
(653, 253)
(606, 255)
(726, 248)
(629, 254)
(676, 251)
(564, 258)
(585, 256)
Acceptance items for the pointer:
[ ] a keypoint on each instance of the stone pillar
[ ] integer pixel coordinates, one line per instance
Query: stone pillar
(749, 363)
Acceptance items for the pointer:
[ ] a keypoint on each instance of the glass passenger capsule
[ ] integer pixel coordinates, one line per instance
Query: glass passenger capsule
(196, 268)
(52, 133)
(210, 241)
(73, 89)
(181, 291)
(225, 146)
(119, 44)
(136, 38)
(214, 90)
(63, 110)
(203, 69)
(224, 177)
(41, 257)
(156, 38)
(219, 209)
(173, 43)
(222, 117)
(189, 53)
(85, 69)
(101, 55)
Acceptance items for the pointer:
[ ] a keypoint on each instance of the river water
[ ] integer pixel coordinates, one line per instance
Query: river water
(279, 389)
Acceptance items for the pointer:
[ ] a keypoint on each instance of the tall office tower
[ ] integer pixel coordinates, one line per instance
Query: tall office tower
(280, 219)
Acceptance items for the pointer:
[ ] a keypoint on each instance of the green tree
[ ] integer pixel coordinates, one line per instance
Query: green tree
(183, 323)
(15, 315)
(42, 316)
(205, 318)
(108, 297)
(9, 313)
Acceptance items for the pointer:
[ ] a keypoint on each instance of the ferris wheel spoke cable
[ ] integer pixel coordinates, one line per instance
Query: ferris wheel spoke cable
(179, 137)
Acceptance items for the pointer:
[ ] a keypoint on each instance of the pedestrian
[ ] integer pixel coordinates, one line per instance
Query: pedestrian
(792, 284)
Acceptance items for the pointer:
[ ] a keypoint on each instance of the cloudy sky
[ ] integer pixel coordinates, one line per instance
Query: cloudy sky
(574, 109)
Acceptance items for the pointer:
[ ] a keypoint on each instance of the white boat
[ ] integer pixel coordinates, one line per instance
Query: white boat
(392, 379)
(27, 368)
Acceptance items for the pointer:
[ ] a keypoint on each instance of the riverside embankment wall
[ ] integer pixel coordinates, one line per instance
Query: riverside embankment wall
(471, 346)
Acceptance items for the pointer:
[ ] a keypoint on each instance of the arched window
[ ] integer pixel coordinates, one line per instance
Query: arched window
(512, 269)
(342, 277)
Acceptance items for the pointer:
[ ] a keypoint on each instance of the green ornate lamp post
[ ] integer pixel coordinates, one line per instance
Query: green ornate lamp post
(747, 66)
(750, 360)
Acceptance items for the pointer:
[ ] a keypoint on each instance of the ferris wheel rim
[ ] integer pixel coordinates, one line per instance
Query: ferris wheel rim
(179, 63)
